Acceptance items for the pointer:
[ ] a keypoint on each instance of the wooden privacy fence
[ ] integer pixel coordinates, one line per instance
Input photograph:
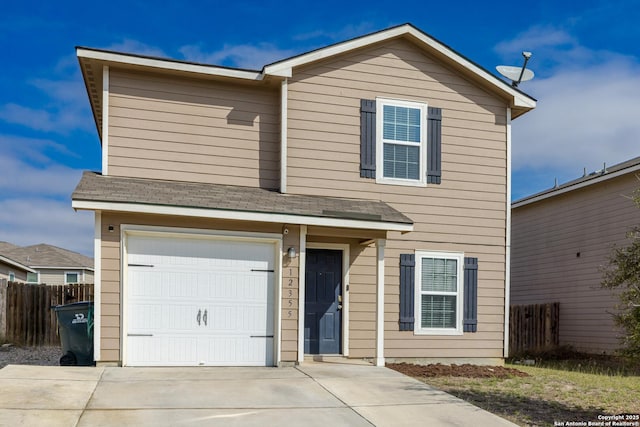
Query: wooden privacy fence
(30, 320)
(533, 328)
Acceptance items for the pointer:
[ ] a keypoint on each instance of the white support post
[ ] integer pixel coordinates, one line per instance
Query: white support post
(97, 288)
(507, 270)
(380, 245)
(105, 120)
(302, 261)
(284, 93)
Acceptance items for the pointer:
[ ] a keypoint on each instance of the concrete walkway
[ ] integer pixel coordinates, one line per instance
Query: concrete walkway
(313, 394)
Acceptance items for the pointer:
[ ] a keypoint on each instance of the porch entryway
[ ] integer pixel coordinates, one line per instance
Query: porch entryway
(323, 302)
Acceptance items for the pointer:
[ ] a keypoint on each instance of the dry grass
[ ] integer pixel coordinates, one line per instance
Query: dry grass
(547, 395)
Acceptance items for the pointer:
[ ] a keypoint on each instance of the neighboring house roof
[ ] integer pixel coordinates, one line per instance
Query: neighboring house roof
(48, 256)
(12, 263)
(6, 246)
(92, 62)
(232, 202)
(629, 166)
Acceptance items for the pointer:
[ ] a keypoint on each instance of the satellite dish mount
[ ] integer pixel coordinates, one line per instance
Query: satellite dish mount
(515, 74)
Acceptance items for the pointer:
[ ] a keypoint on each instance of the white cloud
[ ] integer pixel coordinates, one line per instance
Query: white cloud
(587, 107)
(137, 47)
(29, 221)
(32, 150)
(243, 56)
(345, 33)
(35, 194)
(535, 38)
(20, 178)
(64, 109)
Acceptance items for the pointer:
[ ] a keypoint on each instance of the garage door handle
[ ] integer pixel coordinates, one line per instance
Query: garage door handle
(261, 336)
(139, 335)
(199, 316)
(204, 318)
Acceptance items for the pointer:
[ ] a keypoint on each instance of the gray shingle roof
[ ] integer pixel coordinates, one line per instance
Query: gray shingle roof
(584, 180)
(97, 188)
(43, 255)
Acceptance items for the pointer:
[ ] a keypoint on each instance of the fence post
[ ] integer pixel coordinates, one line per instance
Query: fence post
(533, 328)
(3, 307)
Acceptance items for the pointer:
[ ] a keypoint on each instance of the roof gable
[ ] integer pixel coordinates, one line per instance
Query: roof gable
(520, 101)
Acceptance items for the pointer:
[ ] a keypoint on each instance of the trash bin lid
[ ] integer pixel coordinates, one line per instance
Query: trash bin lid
(73, 305)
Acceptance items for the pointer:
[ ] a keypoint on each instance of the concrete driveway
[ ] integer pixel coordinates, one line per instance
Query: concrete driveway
(312, 394)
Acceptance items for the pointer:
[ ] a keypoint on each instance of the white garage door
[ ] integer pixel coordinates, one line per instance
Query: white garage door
(194, 301)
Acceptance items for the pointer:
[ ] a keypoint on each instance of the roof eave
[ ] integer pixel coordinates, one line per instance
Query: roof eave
(573, 186)
(241, 215)
(52, 267)
(16, 264)
(109, 57)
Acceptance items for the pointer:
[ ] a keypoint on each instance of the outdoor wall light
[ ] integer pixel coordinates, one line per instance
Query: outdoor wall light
(111, 228)
(291, 252)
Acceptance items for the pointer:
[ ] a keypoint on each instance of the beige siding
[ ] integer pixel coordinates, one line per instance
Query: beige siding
(56, 276)
(111, 298)
(193, 130)
(290, 292)
(465, 213)
(5, 269)
(547, 237)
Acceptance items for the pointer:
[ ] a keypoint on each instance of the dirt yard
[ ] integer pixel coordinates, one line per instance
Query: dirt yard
(467, 371)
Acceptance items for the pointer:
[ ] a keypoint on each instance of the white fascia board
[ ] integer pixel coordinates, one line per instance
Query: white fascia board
(47, 267)
(576, 186)
(240, 215)
(211, 70)
(17, 264)
(285, 68)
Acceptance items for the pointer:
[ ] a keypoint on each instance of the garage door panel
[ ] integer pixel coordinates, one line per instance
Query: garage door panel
(240, 350)
(175, 279)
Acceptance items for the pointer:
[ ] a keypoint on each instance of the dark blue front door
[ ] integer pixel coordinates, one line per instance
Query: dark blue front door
(323, 302)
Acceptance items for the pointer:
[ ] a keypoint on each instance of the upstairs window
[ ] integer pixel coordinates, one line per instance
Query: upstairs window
(401, 142)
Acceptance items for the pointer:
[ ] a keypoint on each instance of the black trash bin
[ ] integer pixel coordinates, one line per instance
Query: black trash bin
(75, 326)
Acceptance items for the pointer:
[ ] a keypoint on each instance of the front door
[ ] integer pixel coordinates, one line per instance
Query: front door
(323, 302)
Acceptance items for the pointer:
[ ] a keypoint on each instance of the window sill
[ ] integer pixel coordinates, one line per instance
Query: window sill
(404, 182)
(451, 332)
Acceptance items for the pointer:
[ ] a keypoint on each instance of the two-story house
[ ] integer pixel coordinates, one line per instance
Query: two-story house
(351, 201)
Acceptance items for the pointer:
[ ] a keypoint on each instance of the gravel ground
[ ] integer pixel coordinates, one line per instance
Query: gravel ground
(44, 356)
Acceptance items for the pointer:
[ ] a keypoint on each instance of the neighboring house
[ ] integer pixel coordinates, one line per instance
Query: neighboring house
(560, 239)
(47, 264)
(13, 271)
(351, 201)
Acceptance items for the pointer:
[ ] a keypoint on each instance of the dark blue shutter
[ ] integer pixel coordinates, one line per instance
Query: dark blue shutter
(407, 291)
(368, 138)
(470, 295)
(434, 144)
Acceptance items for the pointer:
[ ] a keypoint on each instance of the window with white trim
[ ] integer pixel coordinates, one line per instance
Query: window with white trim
(401, 143)
(439, 286)
(12, 276)
(32, 278)
(71, 277)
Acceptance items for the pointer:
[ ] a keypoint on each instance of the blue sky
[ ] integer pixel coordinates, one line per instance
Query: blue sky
(586, 57)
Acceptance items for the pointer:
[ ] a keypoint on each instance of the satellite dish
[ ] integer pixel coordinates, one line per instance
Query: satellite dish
(516, 74)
